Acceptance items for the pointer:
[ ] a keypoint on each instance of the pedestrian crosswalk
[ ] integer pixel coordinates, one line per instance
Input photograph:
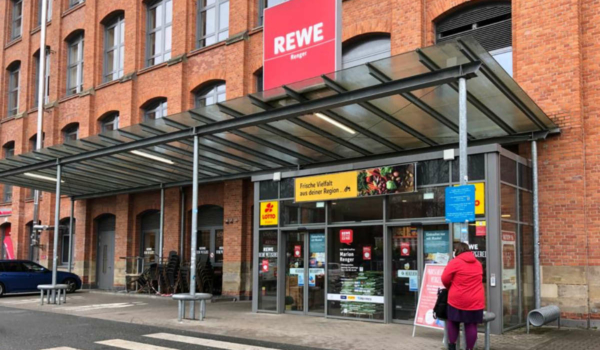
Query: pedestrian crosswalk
(168, 338)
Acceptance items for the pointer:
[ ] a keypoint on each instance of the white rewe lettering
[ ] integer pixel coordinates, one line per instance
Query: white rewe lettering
(299, 38)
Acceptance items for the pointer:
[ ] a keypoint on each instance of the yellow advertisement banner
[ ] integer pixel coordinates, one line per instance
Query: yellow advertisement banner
(326, 187)
(269, 213)
(479, 197)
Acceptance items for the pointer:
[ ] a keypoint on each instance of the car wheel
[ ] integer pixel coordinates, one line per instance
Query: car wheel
(72, 285)
(1, 289)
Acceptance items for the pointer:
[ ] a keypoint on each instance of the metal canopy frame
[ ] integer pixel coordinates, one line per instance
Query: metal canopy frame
(398, 104)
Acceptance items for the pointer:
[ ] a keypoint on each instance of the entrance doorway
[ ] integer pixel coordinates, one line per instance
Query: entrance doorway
(150, 237)
(305, 278)
(211, 242)
(106, 252)
(412, 249)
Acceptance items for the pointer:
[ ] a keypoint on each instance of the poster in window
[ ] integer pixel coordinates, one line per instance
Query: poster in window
(509, 260)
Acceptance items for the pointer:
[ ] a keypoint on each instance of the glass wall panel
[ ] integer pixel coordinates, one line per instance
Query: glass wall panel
(433, 172)
(302, 213)
(294, 271)
(525, 177)
(286, 188)
(508, 203)
(426, 202)
(268, 190)
(360, 209)
(355, 272)
(526, 206)
(510, 282)
(267, 272)
(475, 168)
(527, 277)
(508, 170)
(405, 272)
(316, 273)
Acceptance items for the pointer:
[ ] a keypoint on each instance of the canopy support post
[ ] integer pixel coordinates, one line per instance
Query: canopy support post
(56, 230)
(536, 228)
(71, 234)
(462, 135)
(182, 223)
(161, 230)
(194, 226)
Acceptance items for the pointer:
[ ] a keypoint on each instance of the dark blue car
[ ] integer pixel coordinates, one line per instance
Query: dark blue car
(22, 276)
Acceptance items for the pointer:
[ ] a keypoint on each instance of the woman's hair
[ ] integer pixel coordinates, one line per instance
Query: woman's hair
(460, 248)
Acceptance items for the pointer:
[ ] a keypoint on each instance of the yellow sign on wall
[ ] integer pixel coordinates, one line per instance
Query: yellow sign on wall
(326, 187)
(269, 213)
(479, 198)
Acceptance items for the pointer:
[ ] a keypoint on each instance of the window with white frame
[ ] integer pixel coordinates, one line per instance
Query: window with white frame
(263, 4)
(75, 65)
(114, 48)
(213, 22)
(159, 32)
(71, 132)
(9, 151)
(110, 122)
(210, 95)
(73, 3)
(48, 13)
(17, 19)
(36, 81)
(14, 72)
(156, 110)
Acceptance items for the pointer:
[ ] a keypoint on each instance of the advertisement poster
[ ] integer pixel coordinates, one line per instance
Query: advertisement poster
(326, 187)
(269, 212)
(480, 229)
(386, 180)
(316, 263)
(509, 260)
(413, 279)
(432, 282)
(300, 273)
(265, 265)
(460, 204)
(297, 251)
(346, 236)
(436, 247)
(366, 253)
(405, 249)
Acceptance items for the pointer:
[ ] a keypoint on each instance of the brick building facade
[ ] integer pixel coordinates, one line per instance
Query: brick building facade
(554, 55)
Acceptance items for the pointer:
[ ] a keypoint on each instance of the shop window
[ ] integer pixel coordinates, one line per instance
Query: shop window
(525, 177)
(355, 267)
(71, 132)
(17, 19)
(365, 49)
(268, 190)
(425, 203)
(355, 210)
(527, 263)
(213, 22)
(75, 65)
(36, 81)
(433, 172)
(262, 5)
(508, 202)
(110, 122)
(525, 206)
(156, 109)
(211, 95)
(286, 188)
(114, 48)
(303, 213)
(73, 3)
(159, 18)
(14, 72)
(267, 275)
(508, 170)
(510, 279)
(48, 13)
(475, 168)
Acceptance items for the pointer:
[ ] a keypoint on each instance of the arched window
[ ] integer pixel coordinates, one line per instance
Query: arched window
(159, 18)
(155, 109)
(33, 142)
(213, 22)
(114, 47)
(71, 132)
(366, 48)
(13, 72)
(211, 94)
(36, 82)
(75, 64)
(110, 122)
(490, 23)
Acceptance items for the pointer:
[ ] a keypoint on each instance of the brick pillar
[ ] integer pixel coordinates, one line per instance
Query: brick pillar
(172, 222)
(83, 243)
(123, 237)
(236, 265)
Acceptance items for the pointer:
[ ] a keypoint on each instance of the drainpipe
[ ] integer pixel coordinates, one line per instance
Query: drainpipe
(536, 228)
(182, 223)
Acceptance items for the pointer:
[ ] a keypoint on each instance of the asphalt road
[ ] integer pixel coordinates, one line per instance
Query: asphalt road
(33, 330)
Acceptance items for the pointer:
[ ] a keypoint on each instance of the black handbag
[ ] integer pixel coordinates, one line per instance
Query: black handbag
(440, 310)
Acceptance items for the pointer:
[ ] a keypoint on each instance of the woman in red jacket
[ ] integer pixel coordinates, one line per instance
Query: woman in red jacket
(463, 277)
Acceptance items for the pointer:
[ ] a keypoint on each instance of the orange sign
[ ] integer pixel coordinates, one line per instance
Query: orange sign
(269, 213)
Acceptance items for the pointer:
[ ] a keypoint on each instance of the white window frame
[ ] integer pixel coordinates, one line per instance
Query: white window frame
(211, 91)
(118, 49)
(112, 120)
(14, 82)
(216, 32)
(48, 13)
(36, 83)
(78, 65)
(73, 3)
(163, 53)
(159, 108)
(16, 29)
(70, 131)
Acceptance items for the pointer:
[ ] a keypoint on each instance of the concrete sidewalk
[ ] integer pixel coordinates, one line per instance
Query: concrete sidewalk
(237, 320)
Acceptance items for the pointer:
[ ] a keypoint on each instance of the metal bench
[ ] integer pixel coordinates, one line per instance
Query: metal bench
(183, 298)
(48, 290)
(488, 317)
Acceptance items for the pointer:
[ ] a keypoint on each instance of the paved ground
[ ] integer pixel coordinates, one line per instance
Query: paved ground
(229, 319)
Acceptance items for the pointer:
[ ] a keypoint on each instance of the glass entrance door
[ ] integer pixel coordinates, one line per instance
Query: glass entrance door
(412, 249)
(210, 250)
(305, 272)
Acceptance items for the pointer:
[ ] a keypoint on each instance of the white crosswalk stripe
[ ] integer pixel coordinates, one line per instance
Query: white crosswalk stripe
(205, 342)
(32, 301)
(131, 345)
(62, 348)
(83, 308)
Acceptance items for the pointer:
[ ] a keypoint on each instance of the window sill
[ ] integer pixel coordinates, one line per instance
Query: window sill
(13, 42)
(68, 98)
(39, 27)
(107, 84)
(73, 9)
(205, 49)
(151, 68)
(255, 30)
(6, 120)
(6, 203)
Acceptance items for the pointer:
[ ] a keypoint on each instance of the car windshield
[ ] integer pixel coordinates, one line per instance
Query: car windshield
(33, 267)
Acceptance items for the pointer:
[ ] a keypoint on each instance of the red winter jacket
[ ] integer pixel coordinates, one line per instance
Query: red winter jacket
(463, 278)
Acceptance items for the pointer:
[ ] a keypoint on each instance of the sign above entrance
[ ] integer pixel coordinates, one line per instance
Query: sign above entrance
(5, 211)
(363, 183)
(269, 213)
(460, 204)
(301, 40)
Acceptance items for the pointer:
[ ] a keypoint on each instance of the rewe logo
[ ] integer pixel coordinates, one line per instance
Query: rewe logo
(299, 38)
(269, 208)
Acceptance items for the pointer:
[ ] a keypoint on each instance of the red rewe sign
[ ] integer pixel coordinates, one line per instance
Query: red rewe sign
(346, 236)
(301, 40)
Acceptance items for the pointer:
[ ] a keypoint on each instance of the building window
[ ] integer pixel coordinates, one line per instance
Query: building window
(110, 122)
(73, 3)
(158, 37)
(48, 13)
(14, 72)
(71, 132)
(489, 23)
(114, 49)
(33, 142)
(262, 5)
(156, 110)
(211, 95)
(258, 76)
(17, 19)
(9, 151)
(75, 66)
(213, 22)
(366, 49)
(36, 82)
